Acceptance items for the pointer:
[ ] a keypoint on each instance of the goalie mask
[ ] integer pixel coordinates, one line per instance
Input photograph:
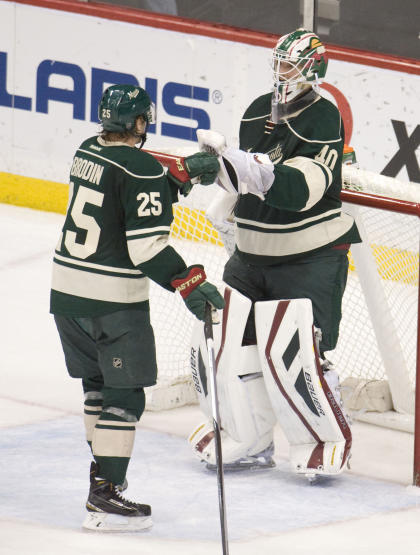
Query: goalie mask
(121, 105)
(299, 59)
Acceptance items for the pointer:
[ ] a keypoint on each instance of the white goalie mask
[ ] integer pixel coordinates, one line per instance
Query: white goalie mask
(298, 60)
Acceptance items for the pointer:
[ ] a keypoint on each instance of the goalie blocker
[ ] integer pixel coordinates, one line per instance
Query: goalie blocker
(280, 380)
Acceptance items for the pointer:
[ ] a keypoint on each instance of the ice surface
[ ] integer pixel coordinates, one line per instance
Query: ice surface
(44, 459)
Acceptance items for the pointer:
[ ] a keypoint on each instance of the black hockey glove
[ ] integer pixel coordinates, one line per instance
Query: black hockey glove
(201, 165)
(196, 291)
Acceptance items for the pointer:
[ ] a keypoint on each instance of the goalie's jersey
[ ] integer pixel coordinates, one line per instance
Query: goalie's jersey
(302, 211)
(118, 217)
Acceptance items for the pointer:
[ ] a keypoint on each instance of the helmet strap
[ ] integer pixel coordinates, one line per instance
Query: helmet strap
(143, 139)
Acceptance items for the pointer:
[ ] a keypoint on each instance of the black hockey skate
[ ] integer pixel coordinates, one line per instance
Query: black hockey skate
(109, 510)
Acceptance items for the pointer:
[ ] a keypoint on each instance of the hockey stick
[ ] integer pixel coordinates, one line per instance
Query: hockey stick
(208, 334)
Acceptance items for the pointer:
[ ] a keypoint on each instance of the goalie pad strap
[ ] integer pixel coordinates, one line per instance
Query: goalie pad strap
(204, 441)
(336, 409)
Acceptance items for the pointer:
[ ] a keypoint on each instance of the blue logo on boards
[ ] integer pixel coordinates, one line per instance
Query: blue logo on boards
(172, 96)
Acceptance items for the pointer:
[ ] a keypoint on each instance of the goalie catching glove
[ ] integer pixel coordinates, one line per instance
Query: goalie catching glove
(196, 291)
(200, 167)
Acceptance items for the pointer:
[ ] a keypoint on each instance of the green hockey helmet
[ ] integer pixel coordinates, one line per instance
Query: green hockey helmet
(121, 105)
(298, 59)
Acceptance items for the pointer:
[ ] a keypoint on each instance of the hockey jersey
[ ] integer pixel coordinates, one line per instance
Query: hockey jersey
(302, 211)
(118, 219)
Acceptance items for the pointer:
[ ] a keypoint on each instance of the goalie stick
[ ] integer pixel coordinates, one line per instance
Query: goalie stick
(208, 334)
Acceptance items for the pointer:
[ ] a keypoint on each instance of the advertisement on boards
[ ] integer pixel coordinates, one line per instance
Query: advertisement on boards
(54, 66)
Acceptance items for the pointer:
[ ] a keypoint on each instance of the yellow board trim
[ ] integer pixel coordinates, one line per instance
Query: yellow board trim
(393, 264)
(39, 194)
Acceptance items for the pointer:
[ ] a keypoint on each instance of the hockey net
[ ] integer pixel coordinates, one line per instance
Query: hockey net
(377, 351)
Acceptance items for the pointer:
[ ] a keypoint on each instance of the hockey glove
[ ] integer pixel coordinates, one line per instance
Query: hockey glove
(196, 291)
(211, 141)
(240, 172)
(200, 167)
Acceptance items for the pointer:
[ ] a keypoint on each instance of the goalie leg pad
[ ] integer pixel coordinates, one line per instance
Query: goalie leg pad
(247, 419)
(312, 419)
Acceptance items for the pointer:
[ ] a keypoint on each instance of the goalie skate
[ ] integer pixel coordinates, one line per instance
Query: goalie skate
(202, 441)
(260, 461)
(109, 511)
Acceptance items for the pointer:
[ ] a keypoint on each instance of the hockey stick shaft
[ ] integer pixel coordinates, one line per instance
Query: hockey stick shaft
(208, 333)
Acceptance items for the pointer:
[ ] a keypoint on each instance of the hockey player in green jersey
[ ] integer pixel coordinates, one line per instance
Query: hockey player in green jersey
(114, 239)
(291, 242)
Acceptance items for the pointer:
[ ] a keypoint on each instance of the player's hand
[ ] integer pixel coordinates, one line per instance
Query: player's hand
(196, 291)
(200, 167)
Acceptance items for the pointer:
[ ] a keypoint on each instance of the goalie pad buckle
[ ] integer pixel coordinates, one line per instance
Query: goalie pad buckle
(306, 408)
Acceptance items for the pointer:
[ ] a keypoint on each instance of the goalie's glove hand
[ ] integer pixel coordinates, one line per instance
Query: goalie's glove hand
(211, 141)
(200, 167)
(196, 291)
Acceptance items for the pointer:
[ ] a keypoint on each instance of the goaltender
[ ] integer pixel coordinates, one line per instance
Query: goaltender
(287, 273)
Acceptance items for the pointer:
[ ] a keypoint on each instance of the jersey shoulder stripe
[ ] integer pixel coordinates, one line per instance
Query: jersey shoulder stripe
(113, 163)
(260, 108)
(149, 231)
(94, 267)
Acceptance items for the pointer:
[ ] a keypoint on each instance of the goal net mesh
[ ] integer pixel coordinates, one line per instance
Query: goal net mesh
(392, 243)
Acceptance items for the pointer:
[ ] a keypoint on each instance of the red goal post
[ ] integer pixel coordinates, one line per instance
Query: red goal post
(379, 341)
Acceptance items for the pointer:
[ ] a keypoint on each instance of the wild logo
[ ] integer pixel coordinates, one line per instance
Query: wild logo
(117, 362)
(133, 94)
(315, 43)
(275, 154)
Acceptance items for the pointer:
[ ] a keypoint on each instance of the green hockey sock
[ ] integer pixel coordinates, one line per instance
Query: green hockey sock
(112, 443)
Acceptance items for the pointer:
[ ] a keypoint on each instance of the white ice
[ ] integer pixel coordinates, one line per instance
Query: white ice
(44, 460)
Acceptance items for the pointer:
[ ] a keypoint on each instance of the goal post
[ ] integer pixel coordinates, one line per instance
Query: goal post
(377, 355)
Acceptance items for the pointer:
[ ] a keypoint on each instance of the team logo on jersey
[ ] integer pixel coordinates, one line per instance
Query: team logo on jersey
(275, 154)
(117, 362)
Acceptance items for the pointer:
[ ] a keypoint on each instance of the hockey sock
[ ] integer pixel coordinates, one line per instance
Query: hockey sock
(113, 436)
(112, 444)
(92, 388)
(92, 411)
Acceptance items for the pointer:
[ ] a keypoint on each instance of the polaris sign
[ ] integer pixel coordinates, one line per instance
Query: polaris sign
(50, 89)
(101, 78)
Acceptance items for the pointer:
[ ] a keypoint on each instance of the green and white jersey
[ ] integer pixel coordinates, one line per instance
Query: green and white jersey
(118, 218)
(302, 211)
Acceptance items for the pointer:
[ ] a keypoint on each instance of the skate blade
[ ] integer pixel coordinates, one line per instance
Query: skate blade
(312, 478)
(108, 522)
(319, 478)
(244, 465)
